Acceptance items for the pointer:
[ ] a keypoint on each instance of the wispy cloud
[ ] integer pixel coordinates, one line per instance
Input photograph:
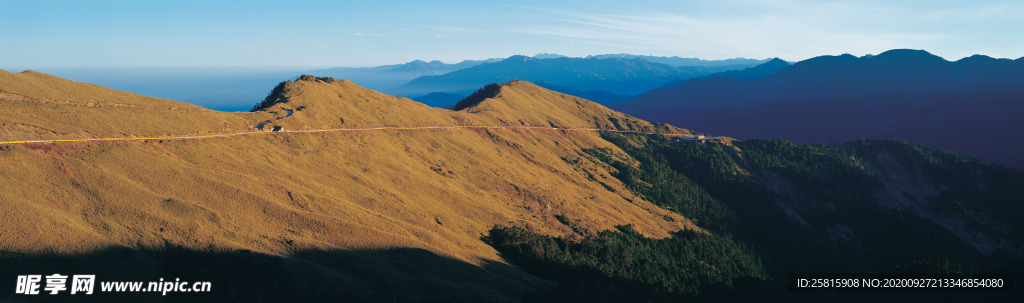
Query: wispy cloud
(786, 28)
(366, 34)
(454, 29)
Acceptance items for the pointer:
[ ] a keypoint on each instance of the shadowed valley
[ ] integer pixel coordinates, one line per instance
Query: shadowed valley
(519, 194)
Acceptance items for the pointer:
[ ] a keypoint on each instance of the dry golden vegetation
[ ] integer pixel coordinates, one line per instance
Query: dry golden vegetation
(435, 189)
(365, 196)
(41, 106)
(319, 104)
(524, 103)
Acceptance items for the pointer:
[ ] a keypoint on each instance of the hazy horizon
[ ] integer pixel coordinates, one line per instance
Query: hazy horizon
(264, 68)
(116, 34)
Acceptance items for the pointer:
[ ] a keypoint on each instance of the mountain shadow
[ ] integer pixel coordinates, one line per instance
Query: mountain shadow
(359, 275)
(864, 206)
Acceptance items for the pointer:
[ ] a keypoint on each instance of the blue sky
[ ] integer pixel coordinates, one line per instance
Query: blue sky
(63, 34)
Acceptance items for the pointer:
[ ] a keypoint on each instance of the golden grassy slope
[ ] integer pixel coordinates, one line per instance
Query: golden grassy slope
(438, 190)
(317, 104)
(40, 86)
(525, 103)
(343, 104)
(41, 106)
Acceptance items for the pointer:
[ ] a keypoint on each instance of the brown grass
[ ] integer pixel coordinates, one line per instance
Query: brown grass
(438, 190)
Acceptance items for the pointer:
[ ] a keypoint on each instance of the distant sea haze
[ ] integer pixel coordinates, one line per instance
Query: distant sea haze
(219, 88)
(239, 88)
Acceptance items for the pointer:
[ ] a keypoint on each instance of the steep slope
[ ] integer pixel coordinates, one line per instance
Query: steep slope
(524, 103)
(436, 212)
(322, 103)
(860, 207)
(846, 197)
(903, 94)
(297, 194)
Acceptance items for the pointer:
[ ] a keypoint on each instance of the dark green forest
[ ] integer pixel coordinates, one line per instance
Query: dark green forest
(772, 208)
(627, 266)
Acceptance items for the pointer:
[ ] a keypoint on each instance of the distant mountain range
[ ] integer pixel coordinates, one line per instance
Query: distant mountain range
(599, 96)
(387, 77)
(349, 194)
(548, 56)
(445, 100)
(677, 61)
(673, 60)
(616, 76)
(973, 106)
(760, 71)
(235, 89)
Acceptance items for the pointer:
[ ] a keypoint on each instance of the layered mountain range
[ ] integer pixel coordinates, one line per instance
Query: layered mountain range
(330, 191)
(390, 76)
(972, 105)
(620, 76)
(237, 88)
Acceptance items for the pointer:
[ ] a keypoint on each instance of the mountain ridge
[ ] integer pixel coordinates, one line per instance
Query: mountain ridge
(387, 77)
(440, 207)
(323, 103)
(615, 75)
(35, 85)
(913, 95)
(50, 107)
(234, 192)
(679, 61)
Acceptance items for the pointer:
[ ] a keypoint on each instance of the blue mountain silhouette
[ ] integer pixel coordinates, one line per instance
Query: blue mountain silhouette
(613, 75)
(973, 106)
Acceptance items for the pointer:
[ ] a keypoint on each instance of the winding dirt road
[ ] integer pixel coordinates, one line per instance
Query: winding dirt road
(193, 137)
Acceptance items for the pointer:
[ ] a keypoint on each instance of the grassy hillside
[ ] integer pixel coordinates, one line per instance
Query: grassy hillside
(318, 103)
(285, 194)
(525, 103)
(468, 214)
(41, 106)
